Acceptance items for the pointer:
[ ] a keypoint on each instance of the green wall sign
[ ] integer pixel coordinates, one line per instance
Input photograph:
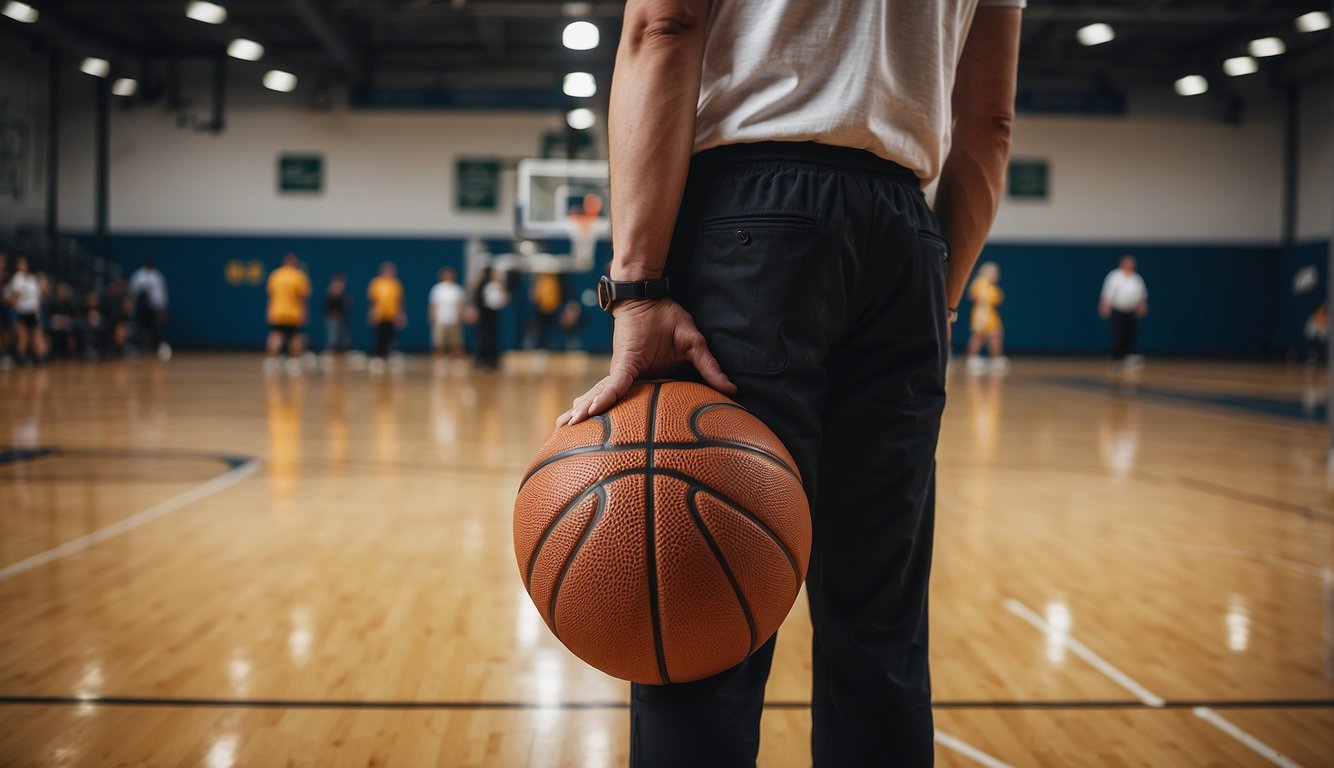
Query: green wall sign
(300, 173)
(476, 184)
(1027, 179)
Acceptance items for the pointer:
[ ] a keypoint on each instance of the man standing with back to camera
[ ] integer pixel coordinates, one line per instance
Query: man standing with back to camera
(797, 246)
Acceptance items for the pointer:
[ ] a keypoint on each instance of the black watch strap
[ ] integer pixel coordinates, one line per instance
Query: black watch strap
(611, 291)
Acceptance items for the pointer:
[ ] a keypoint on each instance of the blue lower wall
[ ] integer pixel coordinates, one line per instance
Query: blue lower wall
(1206, 300)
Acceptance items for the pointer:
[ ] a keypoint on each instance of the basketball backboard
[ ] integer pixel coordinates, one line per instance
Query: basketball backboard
(556, 198)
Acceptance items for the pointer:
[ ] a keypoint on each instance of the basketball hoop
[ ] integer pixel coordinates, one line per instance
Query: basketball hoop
(582, 227)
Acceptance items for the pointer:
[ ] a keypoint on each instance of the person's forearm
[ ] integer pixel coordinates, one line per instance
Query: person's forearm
(652, 129)
(973, 176)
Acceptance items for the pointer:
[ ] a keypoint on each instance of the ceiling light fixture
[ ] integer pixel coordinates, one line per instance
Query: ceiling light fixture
(1314, 21)
(1240, 65)
(580, 36)
(95, 67)
(1267, 46)
(278, 80)
(209, 13)
(125, 86)
(28, 15)
(580, 85)
(580, 119)
(246, 50)
(1192, 85)
(1096, 34)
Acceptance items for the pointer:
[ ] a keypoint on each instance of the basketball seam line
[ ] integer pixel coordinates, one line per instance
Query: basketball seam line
(555, 521)
(722, 563)
(690, 482)
(704, 442)
(601, 494)
(694, 429)
(650, 536)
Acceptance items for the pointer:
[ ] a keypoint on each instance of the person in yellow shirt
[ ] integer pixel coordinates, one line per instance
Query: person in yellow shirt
(986, 322)
(288, 288)
(386, 314)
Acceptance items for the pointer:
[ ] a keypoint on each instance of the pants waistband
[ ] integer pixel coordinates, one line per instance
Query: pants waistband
(803, 152)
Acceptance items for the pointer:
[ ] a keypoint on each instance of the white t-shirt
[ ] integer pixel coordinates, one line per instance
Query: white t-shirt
(1124, 292)
(867, 74)
(151, 283)
(26, 293)
(494, 295)
(447, 300)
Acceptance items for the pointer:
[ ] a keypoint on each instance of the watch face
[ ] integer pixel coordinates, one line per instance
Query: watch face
(604, 293)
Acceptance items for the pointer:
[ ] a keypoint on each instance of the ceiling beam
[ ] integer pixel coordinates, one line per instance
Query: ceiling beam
(325, 28)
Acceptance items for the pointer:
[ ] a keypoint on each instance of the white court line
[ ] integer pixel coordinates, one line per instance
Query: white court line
(969, 751)
(225, 480)
(1083, 652)
(1258, 747)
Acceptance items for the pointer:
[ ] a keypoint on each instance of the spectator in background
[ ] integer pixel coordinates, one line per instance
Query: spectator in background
(116, 314)
(337, 335)
(148, 297)
(1124, 300)
(24, 294)
(986, 323)
(6, 316)
(64, 322)
(490, 297)
(94, 332)
(289, 289)
(445, 311)
(386, 313)
(548, 299)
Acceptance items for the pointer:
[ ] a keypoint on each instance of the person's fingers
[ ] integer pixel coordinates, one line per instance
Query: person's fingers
(708, 366)
(580, 410)
(613, 389)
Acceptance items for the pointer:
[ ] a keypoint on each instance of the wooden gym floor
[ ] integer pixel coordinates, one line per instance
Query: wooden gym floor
(204, 565)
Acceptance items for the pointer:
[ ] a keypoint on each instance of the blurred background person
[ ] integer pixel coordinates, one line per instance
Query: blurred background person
(1125, 299)
(288, 289)
(490, 296)
(148, 296)
(64, 322)
(337, 305)
(985, 322)
(386, 313)
(548, 297)
(24, 294)
(6, 316)
(445, 311)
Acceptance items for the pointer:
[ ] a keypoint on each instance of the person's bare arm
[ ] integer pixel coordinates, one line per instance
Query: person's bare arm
(973, 177)
(651, 129)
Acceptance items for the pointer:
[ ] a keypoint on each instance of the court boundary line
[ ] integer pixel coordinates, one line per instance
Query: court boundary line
(968, 750)
(1204, 713)
(1255, 745)
(1084, 652)
(231, 477)
(216, 703)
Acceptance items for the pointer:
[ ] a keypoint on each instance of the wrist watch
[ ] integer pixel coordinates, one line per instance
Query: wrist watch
(953, 315)
(611, 291)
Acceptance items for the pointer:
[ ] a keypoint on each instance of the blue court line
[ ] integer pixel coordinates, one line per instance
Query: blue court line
(25, 454)
(11, 455)
(1265, 406)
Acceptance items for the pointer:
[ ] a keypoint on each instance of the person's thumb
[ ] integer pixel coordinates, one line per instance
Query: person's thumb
(699, 356)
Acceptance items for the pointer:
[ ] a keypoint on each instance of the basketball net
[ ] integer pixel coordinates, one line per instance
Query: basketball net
(582, 227)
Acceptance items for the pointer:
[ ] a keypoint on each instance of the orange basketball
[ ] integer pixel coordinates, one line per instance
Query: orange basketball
(665, 540)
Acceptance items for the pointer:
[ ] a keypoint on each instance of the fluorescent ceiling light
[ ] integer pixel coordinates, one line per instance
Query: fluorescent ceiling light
(95, 67)
(1192, 85)
(580, 36)
(1096, 34)
(28, 15)
(1307, 22)
(580, 85)
(209, 13)
(1240, 65)
(580, 119)
(278, 80)
(125, 86)
(1267, 46)
(247, 50)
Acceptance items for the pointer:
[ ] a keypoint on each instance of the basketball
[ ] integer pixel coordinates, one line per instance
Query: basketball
(666, 539)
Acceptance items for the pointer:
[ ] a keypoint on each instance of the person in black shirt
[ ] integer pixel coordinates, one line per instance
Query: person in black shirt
(337, 336)
(64, 319)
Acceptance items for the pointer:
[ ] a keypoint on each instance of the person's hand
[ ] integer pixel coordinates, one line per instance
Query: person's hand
(1142, 309)
(650, 338)
(1104, 310)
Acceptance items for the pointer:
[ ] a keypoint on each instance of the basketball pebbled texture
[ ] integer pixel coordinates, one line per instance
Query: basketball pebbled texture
(665, 540)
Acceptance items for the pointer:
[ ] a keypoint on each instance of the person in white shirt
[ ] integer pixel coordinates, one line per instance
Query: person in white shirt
(1124, 300)
(24, 294)
(447, 303)
(148, 296)
(767, 163)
